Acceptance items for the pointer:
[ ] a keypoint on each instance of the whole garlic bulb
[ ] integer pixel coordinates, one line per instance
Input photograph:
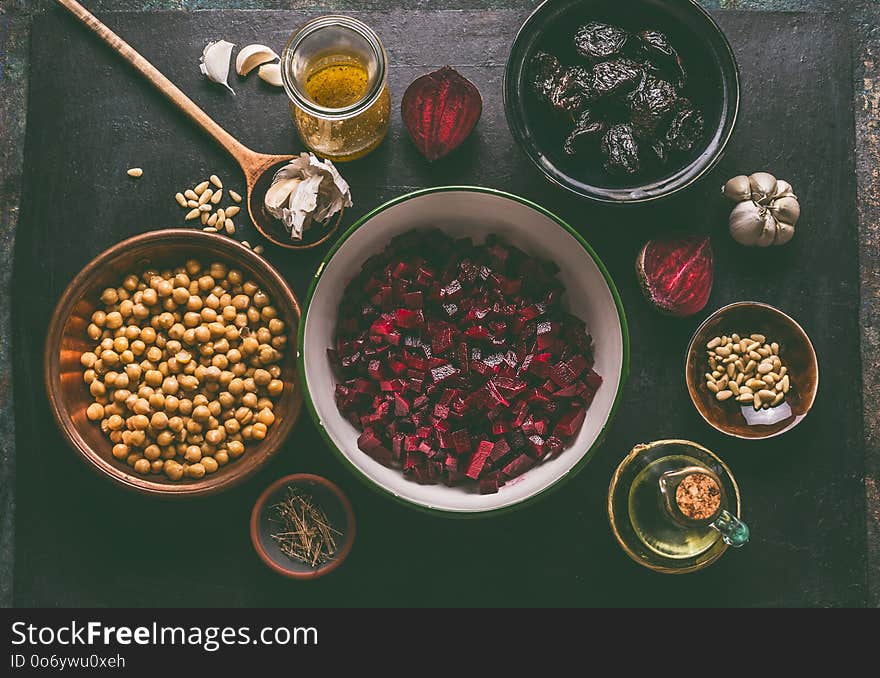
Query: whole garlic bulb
(766, 212)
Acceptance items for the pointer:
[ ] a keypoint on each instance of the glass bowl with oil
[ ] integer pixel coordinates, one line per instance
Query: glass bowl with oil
(335, 73)
(647, 519)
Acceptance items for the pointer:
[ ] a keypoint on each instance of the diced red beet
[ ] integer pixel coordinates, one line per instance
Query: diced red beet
(443, 345)
(570, 423)
(479, 459)
(518, 466)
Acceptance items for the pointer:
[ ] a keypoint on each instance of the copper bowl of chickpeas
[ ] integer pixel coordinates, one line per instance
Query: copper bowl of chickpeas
(170, 363)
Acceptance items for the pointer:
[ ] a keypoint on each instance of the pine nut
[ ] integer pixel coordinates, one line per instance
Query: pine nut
(201, 188)
(733, 387)
(205, 208)
(190, 194)
(232, 210)
(229, 225)
(235, 196)
(135, 172)
(731, 370)
(205, 196)
(734, 338)
(715, 343)
(212, 220)
(760, 338)
(712, 386)
(744, 398)
(218, 195)
(192, 203)
(258, 249)
(180, 199)
(723, 395)
(214, 179)
(723, 351)
(205, 218)
(209, 229)
(778, 399)
(764, 368)
(192, 214)
(221, 215)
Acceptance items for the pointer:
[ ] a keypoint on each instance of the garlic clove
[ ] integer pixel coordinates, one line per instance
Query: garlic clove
(271, 73)
(737, 189)
(215, 60)
(784, 190)
(251, 56)
(786, 209)
(784, 233)
(278, 195)
(768, 232)
(746, 223)
(763, 187)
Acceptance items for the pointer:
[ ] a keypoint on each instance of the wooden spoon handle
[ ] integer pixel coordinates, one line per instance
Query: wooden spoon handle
(235, 148)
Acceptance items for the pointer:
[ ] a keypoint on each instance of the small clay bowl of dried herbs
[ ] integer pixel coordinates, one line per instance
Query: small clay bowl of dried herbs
(302, 526)
(767, 344)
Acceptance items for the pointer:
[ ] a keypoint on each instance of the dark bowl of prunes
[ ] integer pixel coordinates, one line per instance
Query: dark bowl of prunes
(622, 102)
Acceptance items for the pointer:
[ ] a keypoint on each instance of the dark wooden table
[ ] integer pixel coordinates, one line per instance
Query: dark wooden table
(14, 25)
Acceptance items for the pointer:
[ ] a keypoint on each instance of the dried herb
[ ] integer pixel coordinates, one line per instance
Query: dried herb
(307, 535)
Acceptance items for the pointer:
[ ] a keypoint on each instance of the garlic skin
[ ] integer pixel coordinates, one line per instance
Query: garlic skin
(305, 191)
(746, 223)
(766, 212)
(215, 60)
(271, 73)
(784, 233)
(763, 187)
(737, 189)
(786, 209)
(251, 56)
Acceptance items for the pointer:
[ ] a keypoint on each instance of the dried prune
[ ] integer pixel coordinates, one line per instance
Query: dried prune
(656, 44)
(621, 150)
(597, 41)
(616, 76)
(685, 130)
(651, 104)
(546, 72)
(627, 92)
(573, 90)
(587, 125)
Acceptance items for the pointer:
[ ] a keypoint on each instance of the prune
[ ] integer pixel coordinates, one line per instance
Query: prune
(573, 91)
(685, 130)
(587, 125)
(546, 71)
(615, 77)
(651, 105)
(627, 93)
(597, 41)
(656, 44)
(621, 150)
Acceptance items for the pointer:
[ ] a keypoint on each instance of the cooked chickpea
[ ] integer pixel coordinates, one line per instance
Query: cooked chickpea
(235, 448)
(193, 454)
(97, 389)
(249, 400)
(120, 451)
(265, 417)
(173, 470)
(210, 464)
(95, 411)
(275, 387)
(142, 466)
(195, 471)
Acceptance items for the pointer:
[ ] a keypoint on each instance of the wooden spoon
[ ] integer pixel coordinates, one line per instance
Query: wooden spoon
(258, 168)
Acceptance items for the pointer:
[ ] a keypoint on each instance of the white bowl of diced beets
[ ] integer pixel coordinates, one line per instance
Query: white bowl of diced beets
(463, 349)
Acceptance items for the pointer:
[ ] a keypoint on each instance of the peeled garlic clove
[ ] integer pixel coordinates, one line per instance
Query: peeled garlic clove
(215, 60)
(784, 190)
(746, 223)
(763, 187)
(768, 232)
(251, 56)
(786, 209)
(737, 189)
(278, 195)
(784, 233)
(271, 73)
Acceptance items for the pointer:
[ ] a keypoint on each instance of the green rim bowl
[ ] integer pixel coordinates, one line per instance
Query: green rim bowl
(475, 212)
(713, 86)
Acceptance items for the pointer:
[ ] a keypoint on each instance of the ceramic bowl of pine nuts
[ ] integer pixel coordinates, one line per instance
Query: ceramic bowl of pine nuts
(751, 371)
(170, 363)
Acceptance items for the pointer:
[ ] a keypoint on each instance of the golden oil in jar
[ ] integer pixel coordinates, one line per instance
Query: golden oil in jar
(334, 71)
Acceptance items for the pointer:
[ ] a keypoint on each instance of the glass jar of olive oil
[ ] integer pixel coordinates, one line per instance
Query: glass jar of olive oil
(335, 73)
